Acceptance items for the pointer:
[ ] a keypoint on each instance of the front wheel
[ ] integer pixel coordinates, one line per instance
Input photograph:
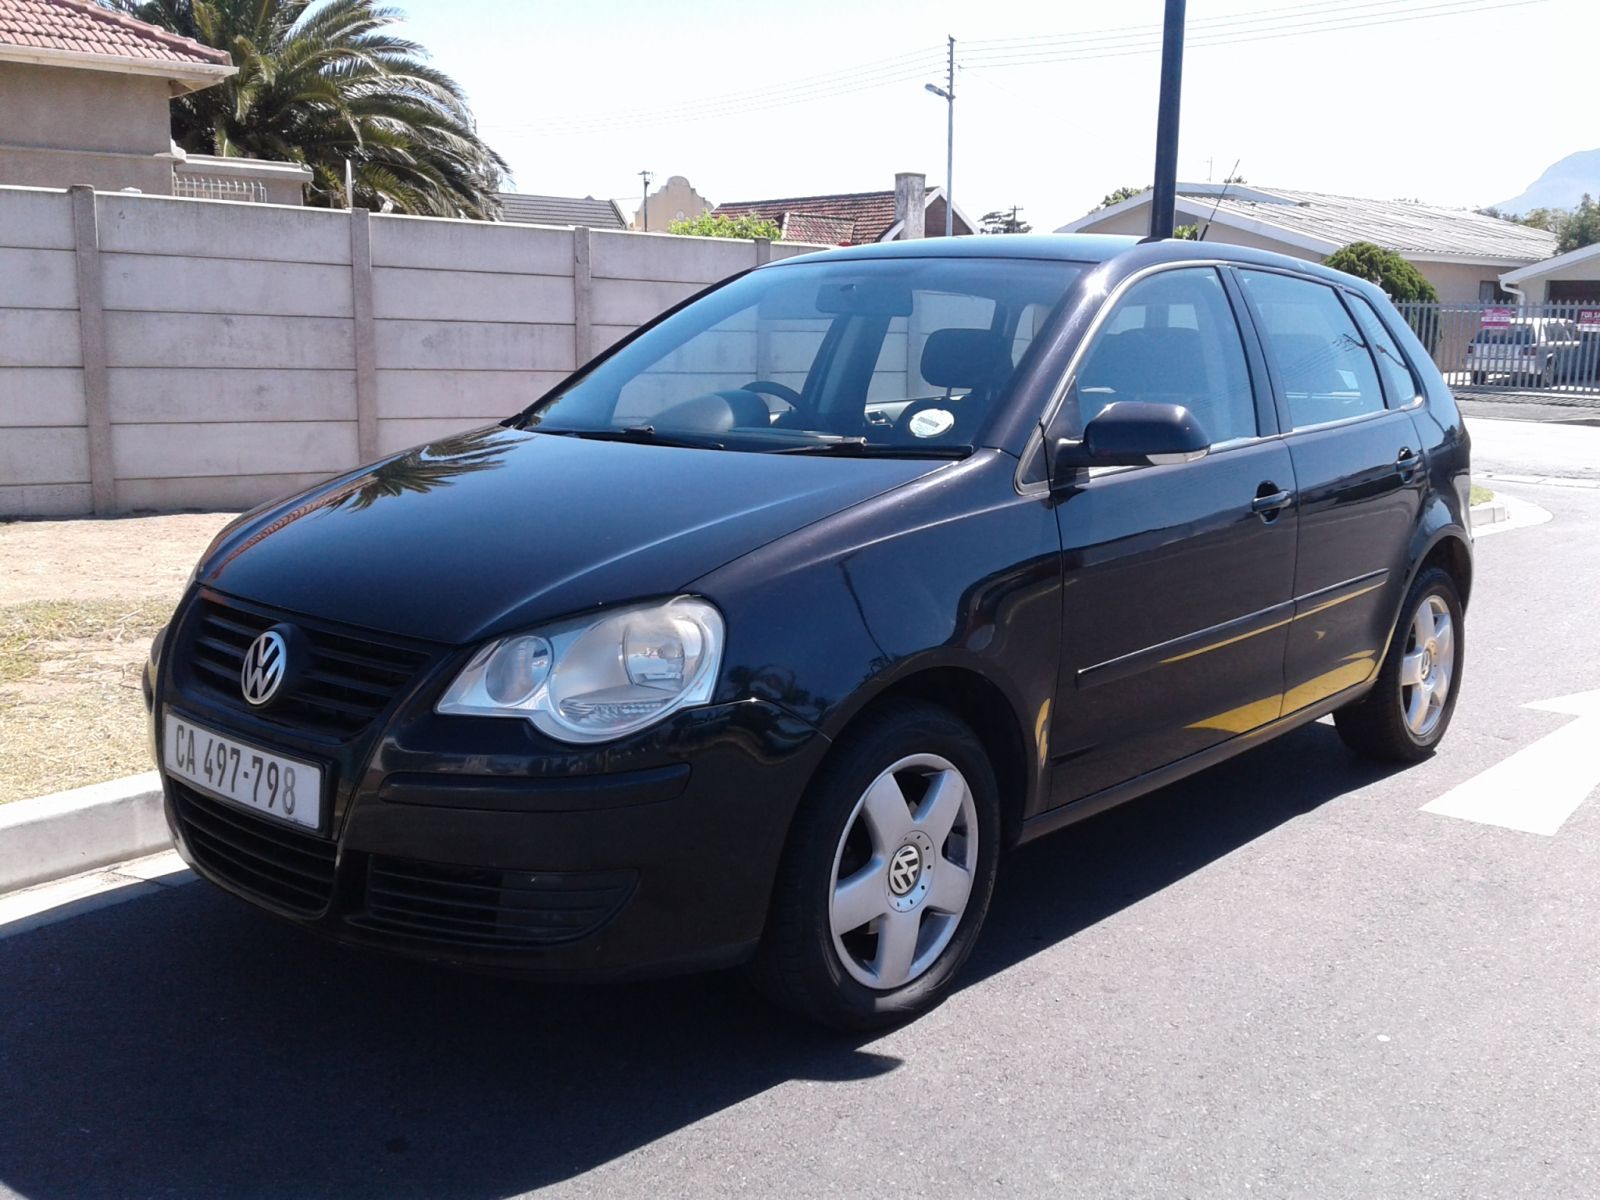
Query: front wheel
(1409, 708)
(888, 873)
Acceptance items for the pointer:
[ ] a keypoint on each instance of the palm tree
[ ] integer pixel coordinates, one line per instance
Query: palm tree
(326, 82)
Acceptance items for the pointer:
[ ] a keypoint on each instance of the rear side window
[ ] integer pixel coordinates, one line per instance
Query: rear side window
(1323, 362)
(1173, 339)
(1398, 378)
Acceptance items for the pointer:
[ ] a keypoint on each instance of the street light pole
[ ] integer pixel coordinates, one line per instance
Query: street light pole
(644, 207)
(948, 94)
(1164, 197)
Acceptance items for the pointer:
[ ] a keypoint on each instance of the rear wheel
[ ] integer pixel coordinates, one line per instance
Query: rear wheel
(888, 873)
(1478, 377)
(1409, 708)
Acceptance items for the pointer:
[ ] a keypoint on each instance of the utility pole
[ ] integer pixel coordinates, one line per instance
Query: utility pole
(644, 208)
(1164, 199)
(948, 93)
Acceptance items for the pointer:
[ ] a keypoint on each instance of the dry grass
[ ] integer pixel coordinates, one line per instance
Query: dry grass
(71, 712)
(1480, 495)
(79, 603)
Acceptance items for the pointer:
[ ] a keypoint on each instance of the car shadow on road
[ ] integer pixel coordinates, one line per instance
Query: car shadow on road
(182, 1044)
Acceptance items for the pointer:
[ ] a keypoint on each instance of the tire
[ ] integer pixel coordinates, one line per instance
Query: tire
(1394, 722)
(852, 980)
(1547, 377)
(1478, 377)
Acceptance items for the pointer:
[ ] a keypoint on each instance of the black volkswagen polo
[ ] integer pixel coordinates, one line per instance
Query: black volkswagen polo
(761, 638)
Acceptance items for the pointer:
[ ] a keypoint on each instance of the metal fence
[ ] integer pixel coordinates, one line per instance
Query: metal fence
(212, 187)
(1541, 353)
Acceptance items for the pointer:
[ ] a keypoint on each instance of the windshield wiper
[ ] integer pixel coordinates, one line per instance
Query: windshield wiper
(639, 434)
(860, 447)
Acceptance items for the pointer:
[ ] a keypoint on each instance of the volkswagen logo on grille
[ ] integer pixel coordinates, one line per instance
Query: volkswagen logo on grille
(264, 666)
(904, 869)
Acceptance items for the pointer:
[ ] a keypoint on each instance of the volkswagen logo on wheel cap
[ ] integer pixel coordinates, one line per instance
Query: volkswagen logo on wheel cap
(264, 666)
(904, 869)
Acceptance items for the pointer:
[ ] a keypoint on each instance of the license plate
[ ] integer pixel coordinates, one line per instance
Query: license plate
(272, 784)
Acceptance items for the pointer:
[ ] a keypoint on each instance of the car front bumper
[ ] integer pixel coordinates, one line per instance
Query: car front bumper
(475, 842)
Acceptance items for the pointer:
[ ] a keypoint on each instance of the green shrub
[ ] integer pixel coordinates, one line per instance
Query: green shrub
(707, 225)
(1400, 281)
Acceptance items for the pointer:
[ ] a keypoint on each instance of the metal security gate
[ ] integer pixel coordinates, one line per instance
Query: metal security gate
(1537, 353)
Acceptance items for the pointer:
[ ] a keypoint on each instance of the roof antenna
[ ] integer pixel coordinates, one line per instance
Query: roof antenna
(1222, 195)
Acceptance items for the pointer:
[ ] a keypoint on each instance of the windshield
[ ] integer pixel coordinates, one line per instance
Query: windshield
(896, 356)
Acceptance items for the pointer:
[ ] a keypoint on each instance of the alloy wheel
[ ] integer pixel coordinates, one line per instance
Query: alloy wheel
(903, 871)
(1427, 666)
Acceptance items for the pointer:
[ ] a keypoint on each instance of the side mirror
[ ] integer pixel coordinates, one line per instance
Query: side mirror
(1131, 433)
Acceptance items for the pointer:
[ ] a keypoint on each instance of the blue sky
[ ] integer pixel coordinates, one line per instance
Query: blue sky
(1449, 101)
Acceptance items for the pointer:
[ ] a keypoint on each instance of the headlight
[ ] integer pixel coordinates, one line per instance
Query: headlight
(598, 678)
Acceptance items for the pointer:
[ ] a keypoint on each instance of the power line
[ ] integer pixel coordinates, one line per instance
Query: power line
(1298, 20)
(1325, 25)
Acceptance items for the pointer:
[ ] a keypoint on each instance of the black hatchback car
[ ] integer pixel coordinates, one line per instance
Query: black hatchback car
(762, 637)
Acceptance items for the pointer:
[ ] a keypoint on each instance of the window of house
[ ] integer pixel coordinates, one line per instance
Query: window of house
(1173, 339)
(1323, 362)
(1490, 292)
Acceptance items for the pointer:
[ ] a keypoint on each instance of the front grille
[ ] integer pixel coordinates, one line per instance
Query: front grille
(348, 683)
(283, 866)
(489, 908)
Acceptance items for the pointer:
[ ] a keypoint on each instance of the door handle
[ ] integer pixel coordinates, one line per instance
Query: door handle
(1408, 464)
(1268, 504)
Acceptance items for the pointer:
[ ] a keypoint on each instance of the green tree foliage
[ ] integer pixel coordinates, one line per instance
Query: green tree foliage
(708, 225)
(1574, 227)
(1400, 281)
(323, 82)
(1582, 226)
(1123, 193)
(1398, 278)
(1187, 233)
(1003, 221)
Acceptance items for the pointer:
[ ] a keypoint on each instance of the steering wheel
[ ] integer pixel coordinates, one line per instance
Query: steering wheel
(782, 391)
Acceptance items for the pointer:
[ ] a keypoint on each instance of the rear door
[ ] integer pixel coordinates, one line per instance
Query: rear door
(1177, 579)
(1358, 465)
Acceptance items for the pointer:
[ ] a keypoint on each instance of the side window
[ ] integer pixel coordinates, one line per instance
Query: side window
(1398, 378)
(1322, 360)
(1173, 339)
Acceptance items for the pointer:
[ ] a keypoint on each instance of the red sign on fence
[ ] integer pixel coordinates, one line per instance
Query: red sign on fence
(1497, 316)
(1589, 320)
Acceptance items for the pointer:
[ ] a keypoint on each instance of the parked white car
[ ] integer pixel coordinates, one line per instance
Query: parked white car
(1531, 351)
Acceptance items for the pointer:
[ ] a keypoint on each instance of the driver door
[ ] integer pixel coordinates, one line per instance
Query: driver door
(1177, 579)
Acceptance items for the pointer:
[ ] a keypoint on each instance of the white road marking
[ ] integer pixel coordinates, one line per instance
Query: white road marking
(1541, 785)
(47, 903)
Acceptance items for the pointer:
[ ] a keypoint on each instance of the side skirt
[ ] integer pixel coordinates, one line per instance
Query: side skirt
(1098, 802)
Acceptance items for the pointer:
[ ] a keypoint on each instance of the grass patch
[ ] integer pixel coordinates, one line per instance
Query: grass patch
(71, 712)
(1479, 495)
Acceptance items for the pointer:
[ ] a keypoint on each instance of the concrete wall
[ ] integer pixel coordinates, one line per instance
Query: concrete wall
(62, 125)
(163, 353)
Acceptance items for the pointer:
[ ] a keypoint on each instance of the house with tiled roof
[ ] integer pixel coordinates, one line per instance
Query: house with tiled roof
(1462, 253)
(526, 208)
(910, 210)
(84, 95)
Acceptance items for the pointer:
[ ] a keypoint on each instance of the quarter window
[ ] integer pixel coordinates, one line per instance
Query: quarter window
(1173, 339)
(1323, 362)
(1398, 378)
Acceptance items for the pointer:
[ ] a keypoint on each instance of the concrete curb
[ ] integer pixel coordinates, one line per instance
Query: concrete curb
(50, 837)
(1491, 513)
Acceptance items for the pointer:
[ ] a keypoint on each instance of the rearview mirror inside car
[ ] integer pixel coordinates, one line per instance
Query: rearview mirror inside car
(1133, 433)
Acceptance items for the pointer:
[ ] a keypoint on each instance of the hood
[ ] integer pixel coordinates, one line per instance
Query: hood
(499, 528)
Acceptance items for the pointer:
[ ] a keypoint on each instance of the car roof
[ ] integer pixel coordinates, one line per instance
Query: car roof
(1095, 248)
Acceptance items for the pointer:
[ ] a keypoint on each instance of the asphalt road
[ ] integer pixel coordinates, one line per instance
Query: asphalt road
(1279, 978)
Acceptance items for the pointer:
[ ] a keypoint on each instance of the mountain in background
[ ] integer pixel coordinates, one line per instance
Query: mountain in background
(1561, 185)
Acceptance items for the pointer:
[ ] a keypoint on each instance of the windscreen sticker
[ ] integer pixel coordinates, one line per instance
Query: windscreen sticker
(931, 422)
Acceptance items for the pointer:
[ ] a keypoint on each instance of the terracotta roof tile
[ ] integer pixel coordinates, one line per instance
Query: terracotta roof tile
(870, 215)
(816, 229)
(82, 27)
